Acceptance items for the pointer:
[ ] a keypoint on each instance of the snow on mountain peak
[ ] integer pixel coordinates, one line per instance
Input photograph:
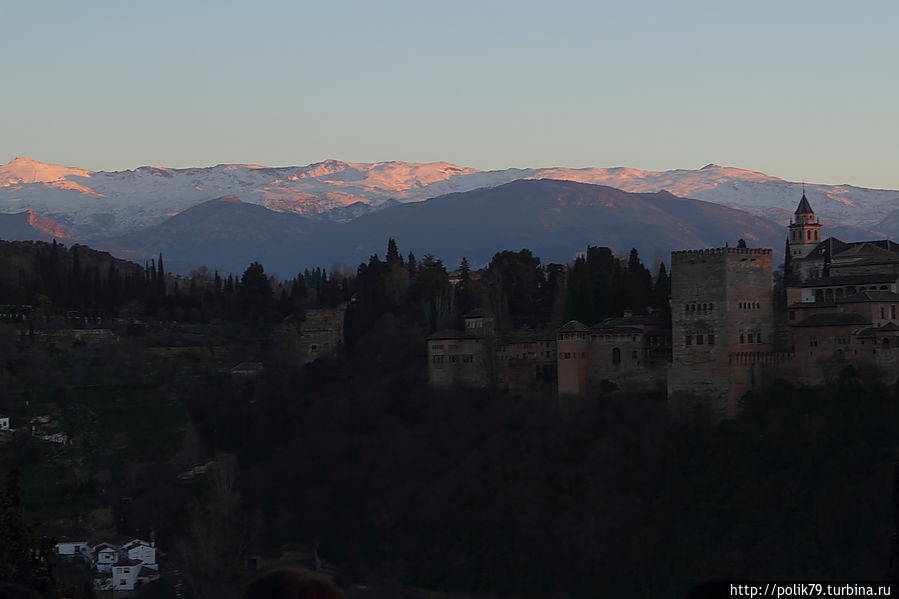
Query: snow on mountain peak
(110, 203)
(25, 170)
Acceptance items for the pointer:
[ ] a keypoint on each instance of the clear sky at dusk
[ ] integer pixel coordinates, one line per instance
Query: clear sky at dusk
(804, 90)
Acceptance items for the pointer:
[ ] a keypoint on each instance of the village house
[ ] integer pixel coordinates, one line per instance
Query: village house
(120, 564)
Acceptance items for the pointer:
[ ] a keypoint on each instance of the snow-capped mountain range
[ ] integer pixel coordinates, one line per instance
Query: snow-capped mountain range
(99, 203)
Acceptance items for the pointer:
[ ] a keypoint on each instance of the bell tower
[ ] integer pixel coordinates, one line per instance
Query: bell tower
(805, 230)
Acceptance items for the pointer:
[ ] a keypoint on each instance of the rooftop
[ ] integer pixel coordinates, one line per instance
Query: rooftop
(804, 207)
(832, 319)
(640, 319)
(573, 326)
(850, 280)
(446, 334)
(874, 295)
(127, 562)
(606, 330)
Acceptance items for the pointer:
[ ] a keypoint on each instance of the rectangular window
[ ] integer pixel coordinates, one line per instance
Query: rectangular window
(711, 339)
(749, 338)
(699, 340)
(893, 312)
(742, 340)
(688, 339)
(454, 359)
(468, 358)
(792, 315)
(882, 313)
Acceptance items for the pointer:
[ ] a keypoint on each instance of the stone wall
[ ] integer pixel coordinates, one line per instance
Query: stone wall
(721, 303)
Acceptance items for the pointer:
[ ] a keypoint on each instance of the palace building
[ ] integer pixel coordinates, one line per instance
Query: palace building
(731, 331)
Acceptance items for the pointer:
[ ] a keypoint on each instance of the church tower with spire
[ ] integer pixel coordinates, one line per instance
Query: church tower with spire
(805, 230)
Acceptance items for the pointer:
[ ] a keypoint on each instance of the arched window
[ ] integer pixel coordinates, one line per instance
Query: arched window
(616, 356)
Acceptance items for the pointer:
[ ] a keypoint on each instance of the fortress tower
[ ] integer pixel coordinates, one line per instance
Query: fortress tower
(722, 308)
(805, 230)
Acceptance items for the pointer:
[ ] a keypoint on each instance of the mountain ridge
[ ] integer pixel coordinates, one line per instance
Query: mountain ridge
(113, 203)
(555, 219)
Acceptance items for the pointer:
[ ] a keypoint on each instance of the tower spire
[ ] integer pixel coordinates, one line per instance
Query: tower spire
(805, 230)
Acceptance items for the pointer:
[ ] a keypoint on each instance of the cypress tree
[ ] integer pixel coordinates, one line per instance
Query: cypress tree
(160, 277)
(19, 559)
(393, 255)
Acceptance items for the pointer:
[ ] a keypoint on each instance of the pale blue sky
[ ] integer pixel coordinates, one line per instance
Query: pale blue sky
(805, 90)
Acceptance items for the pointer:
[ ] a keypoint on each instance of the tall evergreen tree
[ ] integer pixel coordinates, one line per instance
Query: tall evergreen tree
(393, 255)
(20, 557)
(255, 291)
(160, 277)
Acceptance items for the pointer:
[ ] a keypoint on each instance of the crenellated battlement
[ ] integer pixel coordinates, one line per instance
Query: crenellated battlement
(769, 357)
(723, 251)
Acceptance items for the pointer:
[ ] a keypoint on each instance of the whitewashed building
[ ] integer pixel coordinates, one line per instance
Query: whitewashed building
(122, 564)
(71, 545)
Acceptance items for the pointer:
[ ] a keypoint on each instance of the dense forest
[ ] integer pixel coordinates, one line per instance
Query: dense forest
(515, 286)
(469, 491)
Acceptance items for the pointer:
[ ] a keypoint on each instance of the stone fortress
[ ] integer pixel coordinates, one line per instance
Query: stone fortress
(732, 331)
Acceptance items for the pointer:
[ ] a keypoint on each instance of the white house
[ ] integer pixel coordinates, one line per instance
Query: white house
(144, 551)
(70, 545)
(104, 556)
(124, 574)
(121, 565)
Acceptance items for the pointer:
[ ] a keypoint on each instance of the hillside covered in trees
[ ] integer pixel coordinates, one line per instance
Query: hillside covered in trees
(468, 491)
